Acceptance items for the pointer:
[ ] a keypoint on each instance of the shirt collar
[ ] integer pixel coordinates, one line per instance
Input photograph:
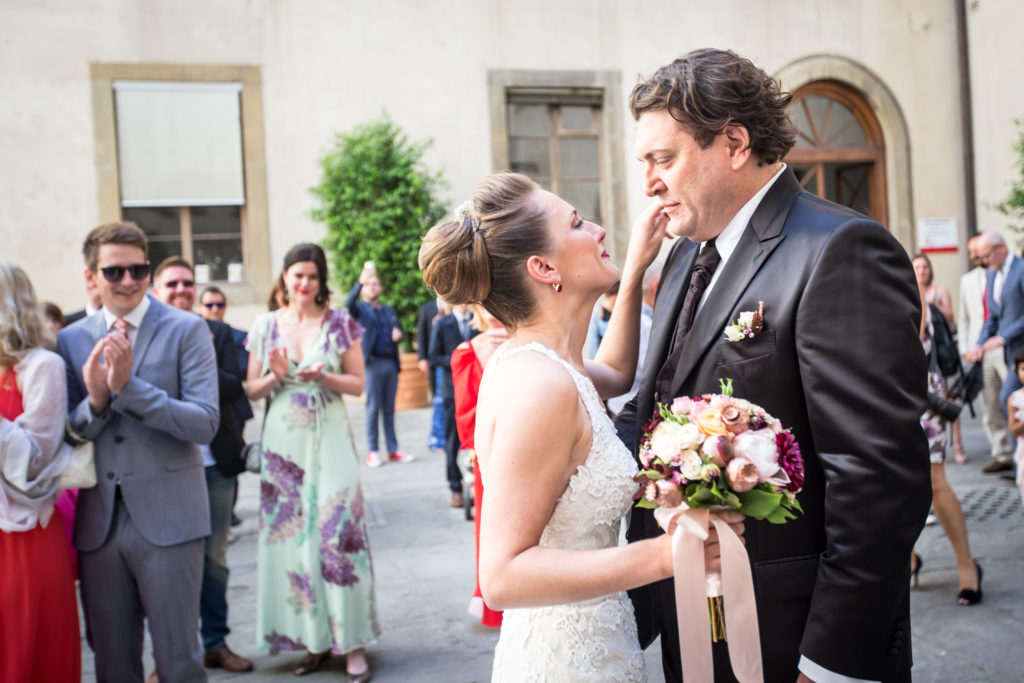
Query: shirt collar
(134, 317)
(1006, 264)
(727, 240)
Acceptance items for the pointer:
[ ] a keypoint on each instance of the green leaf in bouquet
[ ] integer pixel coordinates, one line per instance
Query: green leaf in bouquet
(732, 500)
(780, 515)
(703, 497)
(725, 386)
(758, 503)
(647, 504)
(653, 475)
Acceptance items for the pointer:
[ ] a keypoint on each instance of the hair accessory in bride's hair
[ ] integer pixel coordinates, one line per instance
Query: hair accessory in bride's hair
(465, 208)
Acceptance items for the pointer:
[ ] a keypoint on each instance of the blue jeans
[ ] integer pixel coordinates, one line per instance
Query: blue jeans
(213, 598)
(436, 439)
(381, 384)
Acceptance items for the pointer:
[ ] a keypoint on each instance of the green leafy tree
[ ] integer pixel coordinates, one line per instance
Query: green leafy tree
(377, 201)
(1013, 205)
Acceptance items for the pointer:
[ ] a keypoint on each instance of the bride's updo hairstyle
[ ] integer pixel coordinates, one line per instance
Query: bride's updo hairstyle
(480, 255)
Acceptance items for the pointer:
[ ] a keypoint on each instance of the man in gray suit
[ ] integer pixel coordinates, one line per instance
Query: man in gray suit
(971, 315)
(1004, 327)
(142, 386)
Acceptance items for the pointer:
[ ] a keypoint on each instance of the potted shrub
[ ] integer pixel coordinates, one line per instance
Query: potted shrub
(377, 201)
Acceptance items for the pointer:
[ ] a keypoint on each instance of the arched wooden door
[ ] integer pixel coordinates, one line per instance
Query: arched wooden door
(840, 152)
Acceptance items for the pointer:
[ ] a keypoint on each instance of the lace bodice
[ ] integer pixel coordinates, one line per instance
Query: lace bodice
(586, 641)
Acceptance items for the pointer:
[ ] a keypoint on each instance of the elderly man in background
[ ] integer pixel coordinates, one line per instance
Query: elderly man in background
(1003, 330)
(174, 284)
(971, 314)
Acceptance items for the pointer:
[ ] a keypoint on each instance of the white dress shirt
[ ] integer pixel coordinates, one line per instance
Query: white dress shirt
(134, 318)
(727, 240)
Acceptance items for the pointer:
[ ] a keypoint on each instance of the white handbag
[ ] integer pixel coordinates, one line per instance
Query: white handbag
(81, 470)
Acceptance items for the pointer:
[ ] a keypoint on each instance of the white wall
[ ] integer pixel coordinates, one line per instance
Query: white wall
(328, 65)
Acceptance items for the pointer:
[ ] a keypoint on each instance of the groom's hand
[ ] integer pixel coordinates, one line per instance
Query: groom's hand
(712, 549)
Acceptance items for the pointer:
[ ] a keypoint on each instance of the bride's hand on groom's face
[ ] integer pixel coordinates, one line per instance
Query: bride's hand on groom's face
(649, 231)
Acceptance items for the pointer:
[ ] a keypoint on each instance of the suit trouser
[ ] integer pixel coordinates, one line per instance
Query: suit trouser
(128, 579)
(381, 385)
(993, 373)
(451, 447)
(213, 597)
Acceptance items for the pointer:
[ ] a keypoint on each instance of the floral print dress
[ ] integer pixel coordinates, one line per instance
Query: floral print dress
(315, 590)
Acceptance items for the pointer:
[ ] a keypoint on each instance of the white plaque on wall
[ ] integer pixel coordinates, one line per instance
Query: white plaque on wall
(937, 235)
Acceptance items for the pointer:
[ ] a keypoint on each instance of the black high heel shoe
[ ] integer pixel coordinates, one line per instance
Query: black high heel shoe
(969, 596)
(915, 567)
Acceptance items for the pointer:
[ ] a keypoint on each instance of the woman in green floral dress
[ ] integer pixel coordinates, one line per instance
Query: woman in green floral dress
(315, 590)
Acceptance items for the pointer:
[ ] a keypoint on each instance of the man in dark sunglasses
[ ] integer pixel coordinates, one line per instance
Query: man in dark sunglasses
(213, 304)
(142, 386)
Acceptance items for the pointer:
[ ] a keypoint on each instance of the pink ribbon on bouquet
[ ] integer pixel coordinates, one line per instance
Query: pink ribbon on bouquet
(689, 529)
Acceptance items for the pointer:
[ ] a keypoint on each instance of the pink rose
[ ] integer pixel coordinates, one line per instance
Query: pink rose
(682, 405)
(742, 474)
(718, 449)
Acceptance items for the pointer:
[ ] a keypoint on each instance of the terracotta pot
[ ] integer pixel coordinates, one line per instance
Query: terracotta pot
(413, 387)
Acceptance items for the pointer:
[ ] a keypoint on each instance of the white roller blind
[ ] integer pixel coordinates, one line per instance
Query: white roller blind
(179, 144)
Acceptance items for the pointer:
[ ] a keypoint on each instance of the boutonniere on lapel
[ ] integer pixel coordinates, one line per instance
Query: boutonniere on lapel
(747, 325)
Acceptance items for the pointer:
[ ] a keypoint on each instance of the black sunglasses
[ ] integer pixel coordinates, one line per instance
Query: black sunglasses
(138, 271)
(173, 284)
(214, 304)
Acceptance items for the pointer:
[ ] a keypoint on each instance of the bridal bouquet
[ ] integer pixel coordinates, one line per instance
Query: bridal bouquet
(717, 450)
(704, 454)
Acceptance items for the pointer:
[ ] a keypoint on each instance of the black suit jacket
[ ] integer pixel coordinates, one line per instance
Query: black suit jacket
(840, 363)
(74, 317)
(228, 442)
(443, 339)
(424, 324)
(364, 315)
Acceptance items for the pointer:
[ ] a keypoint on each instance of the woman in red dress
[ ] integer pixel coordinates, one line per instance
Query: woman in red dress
(39, 633)
(468, 361)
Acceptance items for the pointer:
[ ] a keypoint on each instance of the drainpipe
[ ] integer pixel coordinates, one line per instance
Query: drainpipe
(966, 122)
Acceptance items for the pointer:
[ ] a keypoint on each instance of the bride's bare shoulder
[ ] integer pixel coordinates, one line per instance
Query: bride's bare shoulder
(527, 382)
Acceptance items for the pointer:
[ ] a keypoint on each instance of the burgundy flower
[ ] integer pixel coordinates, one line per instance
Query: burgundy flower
(791, 460)
(757, 422)
(649, 426)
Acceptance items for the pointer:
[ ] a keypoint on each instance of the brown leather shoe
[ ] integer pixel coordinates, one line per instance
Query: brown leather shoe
(224, 658)
(996, 466)
(457, 499)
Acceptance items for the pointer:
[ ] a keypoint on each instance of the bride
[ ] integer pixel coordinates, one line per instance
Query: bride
(558, 479)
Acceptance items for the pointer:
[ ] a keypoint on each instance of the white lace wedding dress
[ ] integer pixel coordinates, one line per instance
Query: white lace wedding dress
(588, 641)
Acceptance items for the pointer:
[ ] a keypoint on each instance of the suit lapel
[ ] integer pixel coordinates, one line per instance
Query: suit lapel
(146, 332)
(760, 238)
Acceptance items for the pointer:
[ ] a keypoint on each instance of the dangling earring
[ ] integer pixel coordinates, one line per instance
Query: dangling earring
(557, 286)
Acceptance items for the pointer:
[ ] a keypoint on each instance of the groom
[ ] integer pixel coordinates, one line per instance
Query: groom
(839, 362)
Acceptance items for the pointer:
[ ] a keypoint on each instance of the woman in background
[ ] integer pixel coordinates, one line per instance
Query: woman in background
(468, 362)
(938, 296)
(944, 501)
(38, 610)
(315, 589)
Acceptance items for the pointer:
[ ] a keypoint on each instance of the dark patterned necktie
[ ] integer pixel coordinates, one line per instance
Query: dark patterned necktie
(703, 269)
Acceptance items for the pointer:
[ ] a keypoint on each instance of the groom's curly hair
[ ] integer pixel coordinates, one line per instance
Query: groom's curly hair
(708, 89)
